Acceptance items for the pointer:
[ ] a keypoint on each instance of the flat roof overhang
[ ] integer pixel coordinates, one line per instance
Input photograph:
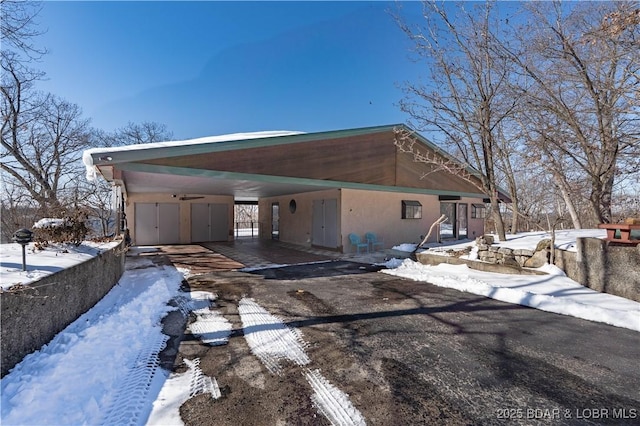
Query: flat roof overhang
(147, 178)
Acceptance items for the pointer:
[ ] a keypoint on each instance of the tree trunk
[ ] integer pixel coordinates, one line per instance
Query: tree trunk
(600, 199)
(566, 196)
(497, 218)
(514, 215)
(514, 200)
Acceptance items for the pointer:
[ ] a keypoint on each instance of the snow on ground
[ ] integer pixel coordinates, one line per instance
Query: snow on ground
(272, 341)
(564, 239)
(177, 390)
(552, 293)
(269, 338)
(40, 263)
(103, 368)
(210, 326)
(332, 402)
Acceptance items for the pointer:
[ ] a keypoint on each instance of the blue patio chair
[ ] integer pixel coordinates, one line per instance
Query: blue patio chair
(355, 241)
(373, 239)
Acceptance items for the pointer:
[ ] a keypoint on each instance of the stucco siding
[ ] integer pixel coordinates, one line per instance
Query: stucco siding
(360, 211)
(380, 212)
(296, 227)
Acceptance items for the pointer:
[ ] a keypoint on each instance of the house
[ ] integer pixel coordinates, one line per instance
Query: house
(312, 189)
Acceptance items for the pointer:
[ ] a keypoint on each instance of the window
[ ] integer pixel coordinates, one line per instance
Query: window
(411, 209)
(478, 211)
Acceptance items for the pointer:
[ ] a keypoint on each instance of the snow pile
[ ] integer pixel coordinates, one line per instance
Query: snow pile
(564, 240)
(50, 223)
(106, 358)
(555, 293)
(405, 247)
(199, 383)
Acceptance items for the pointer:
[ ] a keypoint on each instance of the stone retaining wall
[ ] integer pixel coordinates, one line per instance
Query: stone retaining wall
(427, 258)
(487, 252)
(32, 315)
(606, 267)
(600, 265)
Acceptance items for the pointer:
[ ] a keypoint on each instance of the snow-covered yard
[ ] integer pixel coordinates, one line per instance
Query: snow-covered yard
(104, 369)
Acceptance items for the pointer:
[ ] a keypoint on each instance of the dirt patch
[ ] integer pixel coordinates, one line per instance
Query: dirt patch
(416, 400)
(228, 286)
(250, 393)
(311, 301)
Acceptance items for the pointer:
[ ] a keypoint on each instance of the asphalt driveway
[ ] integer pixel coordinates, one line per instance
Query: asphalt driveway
(410, 353)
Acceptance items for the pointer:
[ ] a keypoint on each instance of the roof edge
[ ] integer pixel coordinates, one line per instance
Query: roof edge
(132, 153)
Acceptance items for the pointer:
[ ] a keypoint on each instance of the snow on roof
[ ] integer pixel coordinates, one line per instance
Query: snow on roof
(231, 137)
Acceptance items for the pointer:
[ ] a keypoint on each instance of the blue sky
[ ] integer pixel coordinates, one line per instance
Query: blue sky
(207, 68)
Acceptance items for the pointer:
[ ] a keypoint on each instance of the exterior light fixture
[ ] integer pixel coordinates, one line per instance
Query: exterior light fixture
(23, 237)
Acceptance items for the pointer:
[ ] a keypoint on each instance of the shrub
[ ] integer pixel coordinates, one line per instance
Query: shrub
(71, 229)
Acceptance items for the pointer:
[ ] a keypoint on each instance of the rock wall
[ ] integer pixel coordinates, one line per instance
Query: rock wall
(606, 267)
(600, 265)
(33, 314)
(487, 252)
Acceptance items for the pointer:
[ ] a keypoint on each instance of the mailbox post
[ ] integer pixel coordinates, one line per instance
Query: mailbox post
(23, 237)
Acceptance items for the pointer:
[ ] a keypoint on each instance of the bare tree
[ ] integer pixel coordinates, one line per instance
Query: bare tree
(139, 133)
(246, 213)
(41, 137)
(18, 29)
(98, 196)
(582, 63)
(464, 99)
(41, 134)
(17, 210)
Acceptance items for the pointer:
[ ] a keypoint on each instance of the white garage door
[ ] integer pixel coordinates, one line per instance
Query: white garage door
(209, 222)
(324, 223)
(157, 223)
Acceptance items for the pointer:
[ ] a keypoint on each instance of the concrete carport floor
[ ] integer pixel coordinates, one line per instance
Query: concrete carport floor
(250, 253)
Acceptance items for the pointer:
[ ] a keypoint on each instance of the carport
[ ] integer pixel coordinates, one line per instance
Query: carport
(312, 189)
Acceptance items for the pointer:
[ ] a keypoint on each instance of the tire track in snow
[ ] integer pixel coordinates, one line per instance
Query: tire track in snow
(212, 328)
(177, 390)
(269, 338)
(200, 383)
(131, 399)
(194, 300)
(332, 402)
